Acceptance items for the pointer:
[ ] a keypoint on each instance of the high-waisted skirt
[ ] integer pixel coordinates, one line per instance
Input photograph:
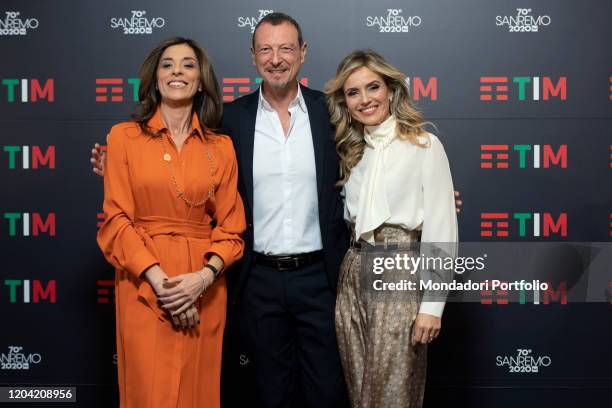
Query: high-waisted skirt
(381, 367)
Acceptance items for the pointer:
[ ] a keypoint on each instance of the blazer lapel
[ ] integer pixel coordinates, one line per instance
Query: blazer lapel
(247, 140)
(319, 127)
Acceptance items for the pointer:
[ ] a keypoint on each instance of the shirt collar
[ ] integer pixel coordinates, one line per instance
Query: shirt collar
(297, 101)
(156, 123)
(381, 135)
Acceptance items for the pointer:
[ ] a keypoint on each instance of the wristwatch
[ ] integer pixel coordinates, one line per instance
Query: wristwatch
(215, 271)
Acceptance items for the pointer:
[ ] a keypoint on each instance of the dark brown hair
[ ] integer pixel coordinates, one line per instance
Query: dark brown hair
(206, 103)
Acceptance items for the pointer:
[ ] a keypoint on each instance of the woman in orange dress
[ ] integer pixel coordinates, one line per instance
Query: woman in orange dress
(173, 224)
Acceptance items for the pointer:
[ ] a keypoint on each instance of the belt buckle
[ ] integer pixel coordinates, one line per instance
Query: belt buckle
(287, 264)
(392, 246)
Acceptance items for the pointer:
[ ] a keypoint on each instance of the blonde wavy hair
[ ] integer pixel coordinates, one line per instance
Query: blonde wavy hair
(349, 132)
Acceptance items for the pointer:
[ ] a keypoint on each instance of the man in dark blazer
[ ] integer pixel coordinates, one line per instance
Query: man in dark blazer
(239, 123)
(284, 289)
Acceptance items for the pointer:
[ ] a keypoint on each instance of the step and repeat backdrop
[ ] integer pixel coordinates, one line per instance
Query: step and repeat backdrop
(520, 93)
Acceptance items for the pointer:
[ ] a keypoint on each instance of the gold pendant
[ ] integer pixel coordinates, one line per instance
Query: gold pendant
(167, 157)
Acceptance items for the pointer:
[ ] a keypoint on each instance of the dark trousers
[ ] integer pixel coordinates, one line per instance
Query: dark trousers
(290, 324)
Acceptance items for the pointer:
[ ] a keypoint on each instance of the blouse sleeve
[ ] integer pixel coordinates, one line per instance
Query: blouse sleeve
(119, 241)
(229, 212)
(440, 217)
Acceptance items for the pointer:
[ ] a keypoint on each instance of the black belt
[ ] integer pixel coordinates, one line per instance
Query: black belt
(288, 262)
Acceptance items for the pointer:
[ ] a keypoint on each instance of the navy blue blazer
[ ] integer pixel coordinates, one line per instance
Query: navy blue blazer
(239, 123)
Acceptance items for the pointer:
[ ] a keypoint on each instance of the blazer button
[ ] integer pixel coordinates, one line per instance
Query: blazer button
(250, 225)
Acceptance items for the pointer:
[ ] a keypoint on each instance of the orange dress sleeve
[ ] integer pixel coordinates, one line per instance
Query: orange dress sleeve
(229, 210)
(122, 246)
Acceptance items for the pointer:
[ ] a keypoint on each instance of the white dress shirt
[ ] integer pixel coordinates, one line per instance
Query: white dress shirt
(285, 204)
(402, 184)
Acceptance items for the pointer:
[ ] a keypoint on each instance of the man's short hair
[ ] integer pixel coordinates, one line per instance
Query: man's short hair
(275, 19)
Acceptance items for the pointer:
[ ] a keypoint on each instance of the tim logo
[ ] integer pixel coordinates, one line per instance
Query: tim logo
(30, 224)
(251, 22)
(234, 87)
(522, 296)
(611, 156)
(497, 156)
(106, 291)
(115, 90)
(527, 224)
(29, 90)
(610, 225)
(32, 291)
(393, 22)
(497, 88)
(12, 24)
(100, 220)
(29, 157)
(421, 88)
(610, 88)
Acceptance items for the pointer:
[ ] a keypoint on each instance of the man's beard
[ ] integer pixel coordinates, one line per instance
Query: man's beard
(280, 84)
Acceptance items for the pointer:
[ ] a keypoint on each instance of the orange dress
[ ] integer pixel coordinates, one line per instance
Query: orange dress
(147, 223)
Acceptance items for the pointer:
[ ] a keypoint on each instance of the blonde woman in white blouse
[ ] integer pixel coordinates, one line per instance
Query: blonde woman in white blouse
(398, 188)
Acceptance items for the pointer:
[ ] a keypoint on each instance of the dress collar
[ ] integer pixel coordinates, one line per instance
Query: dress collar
(156, 123)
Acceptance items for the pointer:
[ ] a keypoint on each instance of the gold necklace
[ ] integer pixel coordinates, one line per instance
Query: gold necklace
(179, 193)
